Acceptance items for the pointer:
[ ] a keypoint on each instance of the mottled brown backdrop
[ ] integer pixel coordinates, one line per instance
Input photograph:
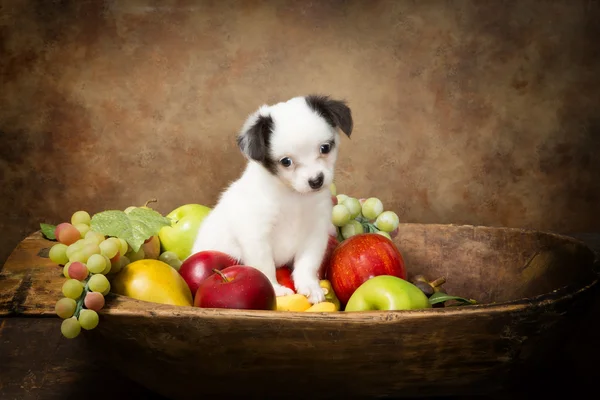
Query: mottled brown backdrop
(467, 112)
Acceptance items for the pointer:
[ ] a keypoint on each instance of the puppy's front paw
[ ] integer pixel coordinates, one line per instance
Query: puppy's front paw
(281, 290)
(311, 289)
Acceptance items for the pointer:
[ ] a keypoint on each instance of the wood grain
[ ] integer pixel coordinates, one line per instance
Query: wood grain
(533, 287)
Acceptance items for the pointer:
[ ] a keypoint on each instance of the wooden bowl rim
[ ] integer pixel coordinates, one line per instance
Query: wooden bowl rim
(119, 305)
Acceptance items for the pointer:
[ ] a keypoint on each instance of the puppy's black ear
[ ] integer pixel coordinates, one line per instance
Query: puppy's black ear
(335, 112)
(255, 141)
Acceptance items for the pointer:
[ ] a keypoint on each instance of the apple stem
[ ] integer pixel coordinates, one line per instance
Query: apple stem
(438, 282)
(150, 201)
(216, 271)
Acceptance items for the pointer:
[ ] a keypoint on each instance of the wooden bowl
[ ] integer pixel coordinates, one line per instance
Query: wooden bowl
(532, 288)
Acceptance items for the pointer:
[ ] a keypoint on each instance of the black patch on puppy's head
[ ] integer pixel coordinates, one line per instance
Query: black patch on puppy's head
(335, 112)
(256, 141)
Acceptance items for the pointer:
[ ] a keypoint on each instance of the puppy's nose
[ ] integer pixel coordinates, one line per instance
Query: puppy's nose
(317, 182)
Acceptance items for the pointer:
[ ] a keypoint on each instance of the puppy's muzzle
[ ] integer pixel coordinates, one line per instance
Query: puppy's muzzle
(316, 183)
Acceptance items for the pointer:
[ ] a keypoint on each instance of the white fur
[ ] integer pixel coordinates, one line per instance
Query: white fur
(267, 220)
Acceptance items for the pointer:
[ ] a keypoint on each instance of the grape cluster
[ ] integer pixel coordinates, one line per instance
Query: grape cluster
(353, 216)
(87, 258)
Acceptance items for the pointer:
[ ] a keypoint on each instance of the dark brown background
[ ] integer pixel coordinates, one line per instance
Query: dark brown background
(468, 112)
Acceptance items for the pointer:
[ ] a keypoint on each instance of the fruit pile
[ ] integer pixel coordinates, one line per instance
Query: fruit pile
(144, 255)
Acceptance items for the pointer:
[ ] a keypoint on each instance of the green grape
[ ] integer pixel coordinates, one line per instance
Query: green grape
(98, 283)
(79, 255)
(171, 258)
(65, 307)
(90, 248)
(106, 291)
(352, 228)
(66, 269)
(96, 263)
(110, 247)
(136, 255)
(332, 189)
(371, 208)
(58, 254)
(78, 271)
(78, 245)
(80, 217)
(82, 228)
(94, 301)
(70, 328)
(383, 233)
(72, 288)
(88, 319)
(341, 198)
(387, 221)
(353, 205)
(340, 215)
(124, 247)
(95, 236)
(108, 266)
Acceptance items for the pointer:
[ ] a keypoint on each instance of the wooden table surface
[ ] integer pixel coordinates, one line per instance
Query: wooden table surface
(68, 371)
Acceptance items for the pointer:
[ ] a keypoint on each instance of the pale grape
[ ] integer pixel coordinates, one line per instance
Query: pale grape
(108, 266)
(78, 245)
(79, 255)
(110, 247)
(332, 189)
(96, 263)
(98, 283)
(65, 307)
(353, 205)
(340, 198)
(340, 215)
(82, 228)
(80, 217)
(136, 255)
(78, 271)
(90, 248)
(95, 236)
(387, 221)
(94, 301)
(371, 208)
(106, 291)
(352, 228)
(124, 246)
(383, 233)
(66, 269)
(72, 288)
(171, 258)
(58, 253)
(70, 328)
(88, 319)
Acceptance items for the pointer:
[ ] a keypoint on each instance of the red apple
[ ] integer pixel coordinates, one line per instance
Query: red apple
(361, 257)
(200, 266)
(239, 287)
(332, 244)
(284, 277)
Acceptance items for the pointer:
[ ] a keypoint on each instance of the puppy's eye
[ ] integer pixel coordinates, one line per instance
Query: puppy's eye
(325, 148)
(286, 162)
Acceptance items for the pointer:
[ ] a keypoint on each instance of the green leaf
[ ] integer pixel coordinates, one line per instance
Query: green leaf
(48, 231)
(441, 297)
(134, 227)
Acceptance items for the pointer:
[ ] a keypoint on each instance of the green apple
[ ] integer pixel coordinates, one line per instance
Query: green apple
(185, 222)
(387, 292)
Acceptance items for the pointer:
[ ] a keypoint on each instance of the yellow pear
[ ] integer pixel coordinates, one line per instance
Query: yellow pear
(154, 281)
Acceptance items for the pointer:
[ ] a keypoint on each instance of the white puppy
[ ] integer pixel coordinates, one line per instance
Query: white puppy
(279, 211)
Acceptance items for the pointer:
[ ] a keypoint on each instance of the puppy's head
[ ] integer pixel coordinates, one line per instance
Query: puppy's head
(297, 140)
